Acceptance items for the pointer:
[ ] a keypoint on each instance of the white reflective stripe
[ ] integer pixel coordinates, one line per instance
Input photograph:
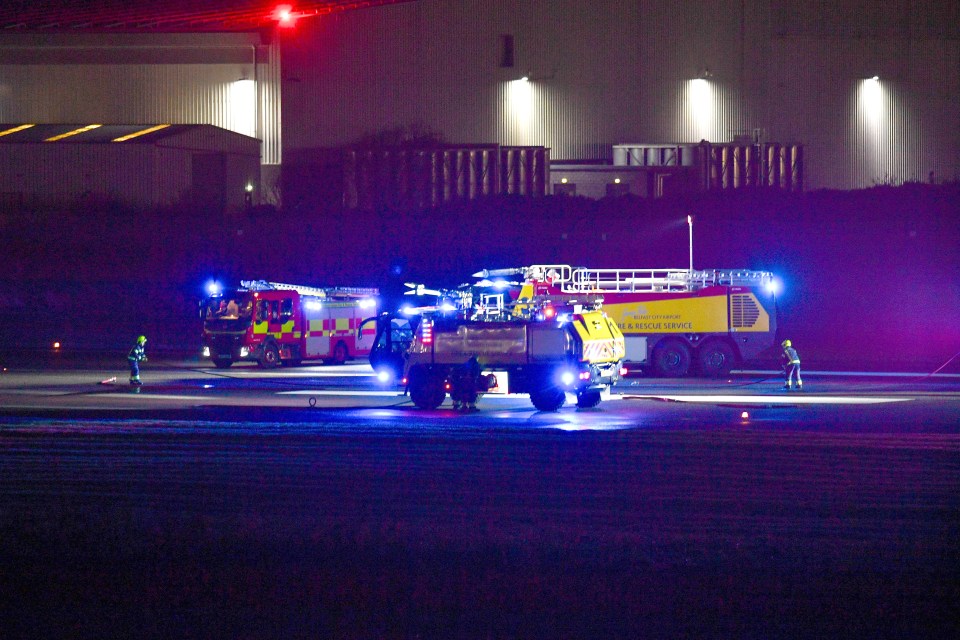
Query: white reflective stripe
(794, 398)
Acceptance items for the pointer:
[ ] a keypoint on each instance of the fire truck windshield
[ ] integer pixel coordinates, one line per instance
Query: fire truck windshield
(230, 312)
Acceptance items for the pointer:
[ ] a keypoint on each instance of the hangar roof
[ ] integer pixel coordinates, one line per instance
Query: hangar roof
(97, 133)
(21, 16)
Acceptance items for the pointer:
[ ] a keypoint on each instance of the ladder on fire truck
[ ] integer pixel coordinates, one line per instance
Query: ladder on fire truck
(331, 293)
(585, 280)
(469, 304)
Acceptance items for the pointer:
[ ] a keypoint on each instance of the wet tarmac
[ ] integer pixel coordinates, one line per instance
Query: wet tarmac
(310, 503)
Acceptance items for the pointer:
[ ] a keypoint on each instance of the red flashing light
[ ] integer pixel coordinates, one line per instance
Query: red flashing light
(285, 16)
(549, 312)
(426, 334)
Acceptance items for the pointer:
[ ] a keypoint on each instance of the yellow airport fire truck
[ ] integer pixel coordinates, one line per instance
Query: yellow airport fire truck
(675, 322)
(274, 323)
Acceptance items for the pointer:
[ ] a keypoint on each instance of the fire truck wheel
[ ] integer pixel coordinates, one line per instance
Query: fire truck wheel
(271, 356)
(588, 399)
(426, 389)
(548, 398)
(671, 359)
(340, 354)
(715, 359)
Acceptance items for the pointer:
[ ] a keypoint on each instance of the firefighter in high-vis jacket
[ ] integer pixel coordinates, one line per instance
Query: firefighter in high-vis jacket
(135, 357)
(791, 367)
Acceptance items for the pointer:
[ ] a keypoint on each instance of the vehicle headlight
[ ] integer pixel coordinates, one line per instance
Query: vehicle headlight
(244, 352)
(206, 352)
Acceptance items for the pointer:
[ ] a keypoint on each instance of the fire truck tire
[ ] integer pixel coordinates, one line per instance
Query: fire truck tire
(340, 354)
(426, 389)
(222, 363)
(588, 399)
(671, 359)
(548, 398)
(715, 358)
(271, 356)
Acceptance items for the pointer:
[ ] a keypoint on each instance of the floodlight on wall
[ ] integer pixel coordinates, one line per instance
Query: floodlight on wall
(701, 97)
(871, 101)
(242, 106)
(521, 97)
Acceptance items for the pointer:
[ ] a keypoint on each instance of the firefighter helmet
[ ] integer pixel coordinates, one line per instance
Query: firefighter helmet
(785, 344)
(141, 340)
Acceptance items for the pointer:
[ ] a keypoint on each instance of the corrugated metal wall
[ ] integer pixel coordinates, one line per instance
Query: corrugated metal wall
(647, 71)
(598, 73)
(128, 79)
(435, 67)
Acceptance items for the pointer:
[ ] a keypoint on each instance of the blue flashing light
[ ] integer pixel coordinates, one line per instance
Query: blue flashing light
(772, 287)
(213, 288)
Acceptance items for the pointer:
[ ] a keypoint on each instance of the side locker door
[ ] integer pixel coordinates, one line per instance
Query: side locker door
(342, 325)
(318, 337)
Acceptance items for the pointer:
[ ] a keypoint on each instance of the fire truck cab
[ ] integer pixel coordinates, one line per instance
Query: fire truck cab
(274, 323)
(393, 335)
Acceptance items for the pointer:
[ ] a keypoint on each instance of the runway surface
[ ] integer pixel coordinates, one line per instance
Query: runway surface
(225, 504)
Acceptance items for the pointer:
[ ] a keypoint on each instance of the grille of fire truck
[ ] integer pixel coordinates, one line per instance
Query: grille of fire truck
(580, 279)
(744, 311)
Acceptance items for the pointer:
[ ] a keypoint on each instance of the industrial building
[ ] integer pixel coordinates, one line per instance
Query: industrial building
(671, 94)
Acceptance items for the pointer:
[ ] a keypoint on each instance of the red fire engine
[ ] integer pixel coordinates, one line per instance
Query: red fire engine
(274, 323)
